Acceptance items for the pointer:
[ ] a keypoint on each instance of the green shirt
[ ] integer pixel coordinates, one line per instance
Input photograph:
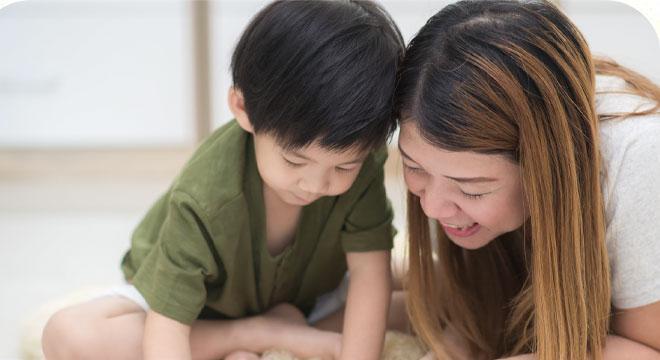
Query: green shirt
(201, 249)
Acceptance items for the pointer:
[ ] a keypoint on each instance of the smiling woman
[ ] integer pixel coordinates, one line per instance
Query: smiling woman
(532, 157)
(475, 197)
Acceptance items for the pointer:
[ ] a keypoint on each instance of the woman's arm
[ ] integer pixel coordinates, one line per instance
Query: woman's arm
(616, 348)
(367, 305)
(620, 348)
(640, 324)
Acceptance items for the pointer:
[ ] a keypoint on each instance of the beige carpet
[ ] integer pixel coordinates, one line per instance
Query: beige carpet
(398, 346)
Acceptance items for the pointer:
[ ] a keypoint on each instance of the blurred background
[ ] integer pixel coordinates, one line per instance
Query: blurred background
(101, 103)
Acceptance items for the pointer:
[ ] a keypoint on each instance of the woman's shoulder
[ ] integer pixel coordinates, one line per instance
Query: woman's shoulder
(637, 132)
(630, 147)
(614, 96)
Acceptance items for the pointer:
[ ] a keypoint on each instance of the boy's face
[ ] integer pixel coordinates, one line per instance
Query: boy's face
(299, 177)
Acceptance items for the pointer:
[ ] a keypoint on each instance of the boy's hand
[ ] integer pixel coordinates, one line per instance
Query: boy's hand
(284, 327)
(287, 312)
(291, 325)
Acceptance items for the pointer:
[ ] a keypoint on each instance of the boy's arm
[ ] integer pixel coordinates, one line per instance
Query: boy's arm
(165, 338)
(367, 305)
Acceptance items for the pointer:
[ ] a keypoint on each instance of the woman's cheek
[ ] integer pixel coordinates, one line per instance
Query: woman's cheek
(414, 185)
(493, 216)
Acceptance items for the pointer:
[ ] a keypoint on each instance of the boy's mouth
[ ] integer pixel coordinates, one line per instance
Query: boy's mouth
(306, 199)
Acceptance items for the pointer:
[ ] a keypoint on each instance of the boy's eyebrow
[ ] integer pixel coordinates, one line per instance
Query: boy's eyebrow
(357, 160)
(463, 180)
(297, 154)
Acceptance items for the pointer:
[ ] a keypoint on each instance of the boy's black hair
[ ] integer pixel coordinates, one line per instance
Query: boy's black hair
(320, 71)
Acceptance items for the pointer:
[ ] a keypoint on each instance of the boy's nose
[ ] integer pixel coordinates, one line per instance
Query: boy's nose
(315, 186)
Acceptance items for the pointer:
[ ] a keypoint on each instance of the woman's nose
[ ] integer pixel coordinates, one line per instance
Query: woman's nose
(437, 205)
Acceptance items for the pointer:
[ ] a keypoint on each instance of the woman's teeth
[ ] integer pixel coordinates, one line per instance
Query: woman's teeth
(458, 227)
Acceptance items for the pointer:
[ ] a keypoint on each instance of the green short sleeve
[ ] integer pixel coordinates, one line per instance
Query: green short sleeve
(368, 227)
(173, 276)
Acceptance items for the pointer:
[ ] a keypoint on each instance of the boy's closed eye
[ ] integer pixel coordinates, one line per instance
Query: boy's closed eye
(292, 163)
(347, 169)
(295, 159)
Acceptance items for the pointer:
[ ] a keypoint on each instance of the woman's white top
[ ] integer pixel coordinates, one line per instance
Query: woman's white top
(631, 188)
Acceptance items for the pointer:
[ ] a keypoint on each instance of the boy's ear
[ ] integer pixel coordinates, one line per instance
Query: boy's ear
(237, 107)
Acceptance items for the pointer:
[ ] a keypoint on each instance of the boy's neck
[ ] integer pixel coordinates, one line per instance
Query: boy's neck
(281, 221)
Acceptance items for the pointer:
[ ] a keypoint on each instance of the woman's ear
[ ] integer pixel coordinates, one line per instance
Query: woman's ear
(237, 107)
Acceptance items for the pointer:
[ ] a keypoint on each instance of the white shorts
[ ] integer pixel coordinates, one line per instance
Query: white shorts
(326, 304)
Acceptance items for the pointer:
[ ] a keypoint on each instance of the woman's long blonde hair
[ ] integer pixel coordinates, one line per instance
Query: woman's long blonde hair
(513, 78)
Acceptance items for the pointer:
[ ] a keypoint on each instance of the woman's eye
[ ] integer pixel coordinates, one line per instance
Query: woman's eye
(412, 169)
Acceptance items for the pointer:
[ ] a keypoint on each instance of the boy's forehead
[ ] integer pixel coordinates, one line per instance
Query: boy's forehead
(315, 151)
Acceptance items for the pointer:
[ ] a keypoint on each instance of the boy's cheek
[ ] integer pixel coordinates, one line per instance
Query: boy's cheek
(348, 185)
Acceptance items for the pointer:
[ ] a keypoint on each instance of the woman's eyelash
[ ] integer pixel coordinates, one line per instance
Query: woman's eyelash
(419, 170)
(412, 169)
(472, 196)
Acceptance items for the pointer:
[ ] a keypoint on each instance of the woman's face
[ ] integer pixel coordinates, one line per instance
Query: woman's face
(474, 197)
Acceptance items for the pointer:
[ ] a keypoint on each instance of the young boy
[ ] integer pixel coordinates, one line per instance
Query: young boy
(271, 210)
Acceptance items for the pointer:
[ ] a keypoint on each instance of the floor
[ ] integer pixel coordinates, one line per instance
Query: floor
(68, 230)
(73, 240)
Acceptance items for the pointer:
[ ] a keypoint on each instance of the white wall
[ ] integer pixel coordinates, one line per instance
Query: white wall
(619, 31)
(120, 74)
(88, 74)
(611, 28)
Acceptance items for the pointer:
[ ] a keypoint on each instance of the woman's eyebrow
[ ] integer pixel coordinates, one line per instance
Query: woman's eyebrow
(404, 153)
(462, 180)
(471, 180)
